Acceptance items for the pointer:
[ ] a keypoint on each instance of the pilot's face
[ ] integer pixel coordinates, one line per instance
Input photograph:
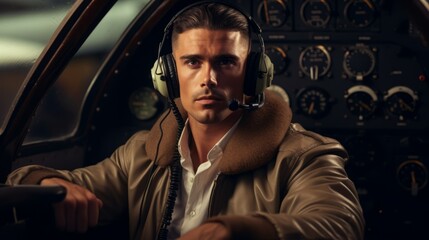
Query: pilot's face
(211, 68)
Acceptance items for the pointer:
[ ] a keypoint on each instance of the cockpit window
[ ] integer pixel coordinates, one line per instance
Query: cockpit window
(25, 29)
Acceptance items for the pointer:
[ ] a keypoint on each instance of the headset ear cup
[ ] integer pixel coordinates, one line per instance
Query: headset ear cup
(259, 73)
(159, 79)
(173, 83)
(269, 68)
(164, 77)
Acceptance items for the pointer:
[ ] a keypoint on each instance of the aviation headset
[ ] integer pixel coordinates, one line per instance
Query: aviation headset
(259, 69)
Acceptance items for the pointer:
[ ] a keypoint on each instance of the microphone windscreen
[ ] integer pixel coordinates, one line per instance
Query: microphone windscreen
(233, 105)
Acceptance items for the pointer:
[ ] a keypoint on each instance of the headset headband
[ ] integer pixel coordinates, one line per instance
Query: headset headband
(252, 23)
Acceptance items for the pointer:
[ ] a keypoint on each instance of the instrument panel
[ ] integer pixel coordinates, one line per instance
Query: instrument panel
(356, 70)
(362, 86)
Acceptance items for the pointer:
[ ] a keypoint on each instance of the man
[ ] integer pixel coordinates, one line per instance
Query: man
(244, 174)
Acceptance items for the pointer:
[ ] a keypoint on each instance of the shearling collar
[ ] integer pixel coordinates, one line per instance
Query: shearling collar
(253, 144)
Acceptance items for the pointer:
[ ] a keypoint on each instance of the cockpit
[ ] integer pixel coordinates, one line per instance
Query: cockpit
(75, 83)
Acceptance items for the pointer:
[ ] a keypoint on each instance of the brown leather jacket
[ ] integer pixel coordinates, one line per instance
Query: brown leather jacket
(276, 181)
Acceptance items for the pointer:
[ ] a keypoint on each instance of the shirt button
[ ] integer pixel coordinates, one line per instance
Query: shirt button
(192, 213)
(191, 180)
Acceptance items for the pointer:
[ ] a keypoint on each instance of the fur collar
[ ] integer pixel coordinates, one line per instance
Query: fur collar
(254, 143)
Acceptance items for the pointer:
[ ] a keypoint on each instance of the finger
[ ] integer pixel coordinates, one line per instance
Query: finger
(94, 211)
(70, 209)
(81, 214)
(60, 216)
(99, 203)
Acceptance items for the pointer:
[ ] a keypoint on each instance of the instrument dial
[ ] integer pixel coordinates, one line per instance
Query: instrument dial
(359, 62)
(360, 13)
(273, 12)
(316, 13)
(278, 57)
(315, 61)
(361, 101)
(412, 175)
(313, 102)
(401, 102)
(144, 103)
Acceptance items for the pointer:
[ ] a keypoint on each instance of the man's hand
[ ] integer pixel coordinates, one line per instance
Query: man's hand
(207, 231)
(78, 211)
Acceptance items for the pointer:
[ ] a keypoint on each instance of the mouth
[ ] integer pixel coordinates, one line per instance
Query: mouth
(209, 99)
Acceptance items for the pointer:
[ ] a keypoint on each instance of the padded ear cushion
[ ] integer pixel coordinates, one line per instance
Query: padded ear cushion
(269, 68)
(164, 76)
(259, 73)
(173, 81)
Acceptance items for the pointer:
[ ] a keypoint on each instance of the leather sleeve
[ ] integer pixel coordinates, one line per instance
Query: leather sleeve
(107, 179)
(319, 201)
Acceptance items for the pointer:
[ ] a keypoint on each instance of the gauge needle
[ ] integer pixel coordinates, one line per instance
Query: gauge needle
(362, 104)
(314, 72)
(404, 105)
(368, 3)
(267, 17)
(311, 108)
(414, 186)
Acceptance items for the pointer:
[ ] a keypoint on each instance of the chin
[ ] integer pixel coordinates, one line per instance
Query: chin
(211, 116)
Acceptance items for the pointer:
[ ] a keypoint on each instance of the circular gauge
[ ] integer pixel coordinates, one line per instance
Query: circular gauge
(315, 61)
(412, 175)
(316, 13)
(280, 91)
(273, 12)
(359, 62)
(278, 57)
(360, 13)
(143, 103)
(401, 102)
(361, 101)
(313, 102)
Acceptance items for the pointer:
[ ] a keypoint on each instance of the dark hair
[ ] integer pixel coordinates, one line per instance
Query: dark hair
(211, 16)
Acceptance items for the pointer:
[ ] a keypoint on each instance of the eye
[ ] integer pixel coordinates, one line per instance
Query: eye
(193, 62)
(227, 62)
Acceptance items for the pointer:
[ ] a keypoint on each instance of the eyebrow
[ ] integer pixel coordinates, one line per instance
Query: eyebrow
(191, 56)
(218, 57)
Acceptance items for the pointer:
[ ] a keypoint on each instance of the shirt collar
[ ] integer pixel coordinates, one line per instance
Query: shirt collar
(214, 153)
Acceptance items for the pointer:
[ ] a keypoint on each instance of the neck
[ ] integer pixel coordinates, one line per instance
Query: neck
(203, 137)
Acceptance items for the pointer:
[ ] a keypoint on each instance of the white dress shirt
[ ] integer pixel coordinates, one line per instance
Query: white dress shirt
(193, 198)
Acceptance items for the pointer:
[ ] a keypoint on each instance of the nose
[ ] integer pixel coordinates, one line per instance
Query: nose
(209, 77)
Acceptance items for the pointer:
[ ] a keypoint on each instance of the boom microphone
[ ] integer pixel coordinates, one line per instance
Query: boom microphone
(234, 104)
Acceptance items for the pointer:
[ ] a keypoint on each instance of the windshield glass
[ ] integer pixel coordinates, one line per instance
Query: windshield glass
(25, 29)
(58, 115)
